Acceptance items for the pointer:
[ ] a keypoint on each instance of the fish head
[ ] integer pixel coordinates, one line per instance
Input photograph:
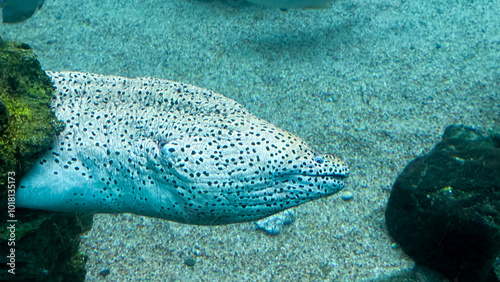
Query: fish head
(255, 171)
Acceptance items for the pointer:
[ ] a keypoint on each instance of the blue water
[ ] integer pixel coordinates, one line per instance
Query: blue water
(375, 82)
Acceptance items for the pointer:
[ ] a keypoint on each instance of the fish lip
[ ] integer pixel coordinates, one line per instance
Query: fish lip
(335, 175)
(342, 176)
(330, 176)
(326, 175)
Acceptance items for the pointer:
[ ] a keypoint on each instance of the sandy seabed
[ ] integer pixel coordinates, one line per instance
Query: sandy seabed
(373, 81)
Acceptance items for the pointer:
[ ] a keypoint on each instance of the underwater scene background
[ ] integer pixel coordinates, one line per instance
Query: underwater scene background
(375, 82)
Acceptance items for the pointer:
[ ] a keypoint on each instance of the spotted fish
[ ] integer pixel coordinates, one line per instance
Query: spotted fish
(170, 150)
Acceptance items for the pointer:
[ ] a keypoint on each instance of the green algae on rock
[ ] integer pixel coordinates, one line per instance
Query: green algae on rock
(444, 208)
(46, 243)
(27, 123)
(46, 246)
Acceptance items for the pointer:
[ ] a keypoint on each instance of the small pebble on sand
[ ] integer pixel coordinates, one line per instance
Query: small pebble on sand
(346, 195)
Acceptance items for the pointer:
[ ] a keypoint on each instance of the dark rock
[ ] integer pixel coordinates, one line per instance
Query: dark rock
(444, 208)
(46, 246)
(190, 262)
(4, 117)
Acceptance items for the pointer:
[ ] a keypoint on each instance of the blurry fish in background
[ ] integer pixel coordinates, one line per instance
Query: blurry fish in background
(294, 4)
(14, 11)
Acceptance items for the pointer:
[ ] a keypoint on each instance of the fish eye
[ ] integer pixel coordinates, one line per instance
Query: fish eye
(166, 149)
(318, 159)
(161, 143)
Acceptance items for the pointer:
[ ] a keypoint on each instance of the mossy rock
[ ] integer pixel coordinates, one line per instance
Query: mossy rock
(46, 243)
(27, 123)
(444, 208)
(46, 246)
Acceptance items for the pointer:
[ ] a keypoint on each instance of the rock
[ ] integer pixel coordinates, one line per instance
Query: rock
(274, 224)
(444, 208)
(189, 262)
(42, 245)
(27, 123)
(346, 195)
(46, 246)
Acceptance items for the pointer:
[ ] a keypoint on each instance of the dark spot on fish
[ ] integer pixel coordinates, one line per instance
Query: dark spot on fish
(104, 272)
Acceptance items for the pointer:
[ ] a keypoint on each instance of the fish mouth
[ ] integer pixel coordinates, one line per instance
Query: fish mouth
(323, 166)
(334, 175)
(318, 184)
